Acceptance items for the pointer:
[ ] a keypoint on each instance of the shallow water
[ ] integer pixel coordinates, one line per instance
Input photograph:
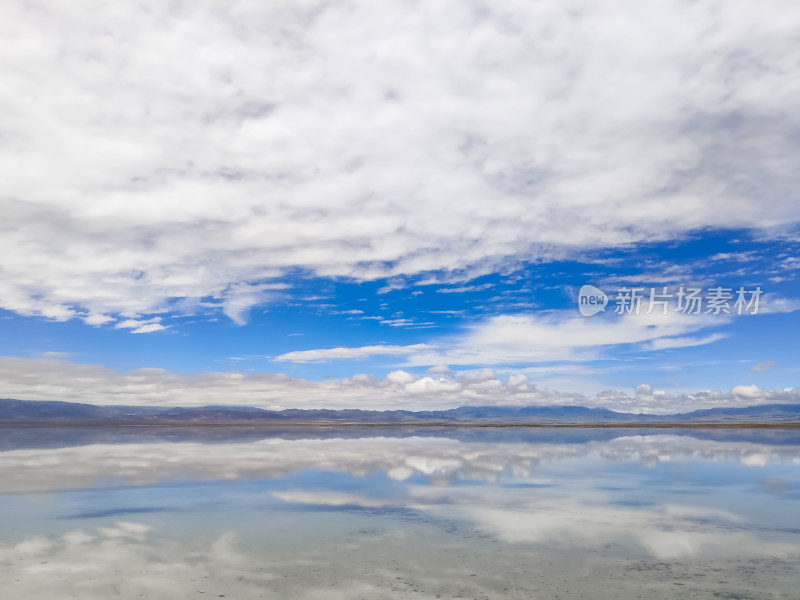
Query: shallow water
(399, 513)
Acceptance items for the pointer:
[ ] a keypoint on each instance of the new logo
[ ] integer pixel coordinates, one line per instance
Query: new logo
(591, 300)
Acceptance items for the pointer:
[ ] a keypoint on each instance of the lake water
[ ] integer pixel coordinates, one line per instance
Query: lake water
(399, 513)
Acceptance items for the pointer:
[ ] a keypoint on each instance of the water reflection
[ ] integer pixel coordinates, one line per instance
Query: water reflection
(445, 513)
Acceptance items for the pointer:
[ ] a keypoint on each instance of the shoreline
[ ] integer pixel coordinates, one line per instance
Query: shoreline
(715, 425)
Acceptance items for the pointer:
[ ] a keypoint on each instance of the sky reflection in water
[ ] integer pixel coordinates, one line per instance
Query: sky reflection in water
(400, 513)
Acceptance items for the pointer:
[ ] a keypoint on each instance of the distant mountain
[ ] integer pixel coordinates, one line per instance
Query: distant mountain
(71, 413)
(764, 412)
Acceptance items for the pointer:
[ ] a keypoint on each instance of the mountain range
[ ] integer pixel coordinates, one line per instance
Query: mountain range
(72, 413)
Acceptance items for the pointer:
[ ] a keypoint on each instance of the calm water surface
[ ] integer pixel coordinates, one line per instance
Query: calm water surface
(399, 513)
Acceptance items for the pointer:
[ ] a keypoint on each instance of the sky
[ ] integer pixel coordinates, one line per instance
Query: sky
(396, 204)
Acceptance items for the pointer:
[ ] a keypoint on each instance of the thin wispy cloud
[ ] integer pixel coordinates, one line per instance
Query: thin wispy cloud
(349, 353)
(534, 338)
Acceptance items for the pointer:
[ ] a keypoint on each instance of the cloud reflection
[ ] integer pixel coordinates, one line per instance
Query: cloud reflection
(442, 459)
(372, 517)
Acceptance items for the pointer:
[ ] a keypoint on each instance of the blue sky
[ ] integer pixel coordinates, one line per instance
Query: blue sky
(314, 204)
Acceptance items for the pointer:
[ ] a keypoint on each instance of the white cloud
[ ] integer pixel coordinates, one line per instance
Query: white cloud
(685, 342)
(303, 356)
(429, 385)
(134, 323)
(52, 379)
(561, 335)
(149, 328)
(55, 354)
(464, 288)
(778, 304)
(401, 377)
(441, 369)
(241, 297)
(517, 380)
(760, 367)
(373, 140)
(141, 326)
(96, 319)
(537, 337)
(478, 375)
(747, 391)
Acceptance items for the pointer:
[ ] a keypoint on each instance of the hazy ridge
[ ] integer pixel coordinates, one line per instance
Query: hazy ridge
(47, 412)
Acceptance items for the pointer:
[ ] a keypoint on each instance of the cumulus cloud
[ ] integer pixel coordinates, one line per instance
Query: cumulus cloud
(441, 369)
(53, 379)
(401, 377)
(441, 136)
(747, 391)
